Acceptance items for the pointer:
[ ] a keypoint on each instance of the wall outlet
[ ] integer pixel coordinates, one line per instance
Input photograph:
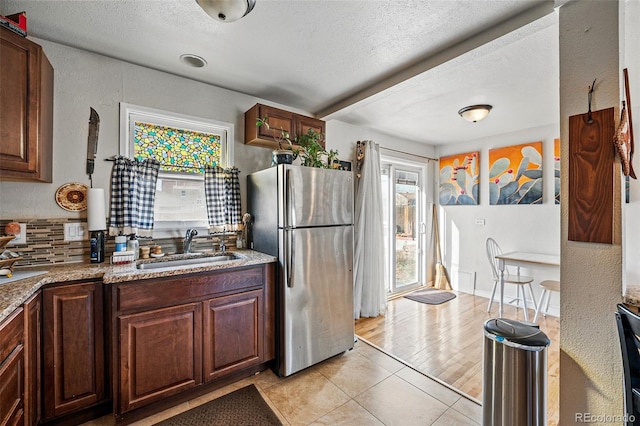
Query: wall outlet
(480, 222)
(20, 239)
(75, 231)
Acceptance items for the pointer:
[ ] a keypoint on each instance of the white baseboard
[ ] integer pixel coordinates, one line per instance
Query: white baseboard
(554, 310)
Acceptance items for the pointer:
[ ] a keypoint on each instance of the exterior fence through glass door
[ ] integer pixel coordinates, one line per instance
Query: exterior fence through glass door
(403, 225)
(406, 232)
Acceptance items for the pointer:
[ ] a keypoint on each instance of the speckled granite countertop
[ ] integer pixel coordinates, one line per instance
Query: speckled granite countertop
(14, 294)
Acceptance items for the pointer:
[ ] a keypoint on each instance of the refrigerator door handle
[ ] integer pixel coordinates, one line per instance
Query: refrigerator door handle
(288, 199)
(289, 257)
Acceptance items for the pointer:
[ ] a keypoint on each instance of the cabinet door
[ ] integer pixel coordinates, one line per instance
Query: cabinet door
(233, 333)
(302, 124)
(73, 340)
(279, 120)
(26, 108)
(160, 354)
(12, 370)
(33, 359)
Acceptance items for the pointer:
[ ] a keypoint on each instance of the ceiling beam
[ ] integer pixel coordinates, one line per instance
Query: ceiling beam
(425, 64)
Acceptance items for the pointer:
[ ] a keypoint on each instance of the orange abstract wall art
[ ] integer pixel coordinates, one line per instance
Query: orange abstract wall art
(515, 174)
(459, 179)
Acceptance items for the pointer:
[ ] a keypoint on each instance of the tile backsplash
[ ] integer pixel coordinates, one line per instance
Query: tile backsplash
(46, 245)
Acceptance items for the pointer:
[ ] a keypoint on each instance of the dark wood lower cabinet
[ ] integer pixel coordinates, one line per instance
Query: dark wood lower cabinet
(33, 359)
(159, 354)
(12, 369)
(233, 333)
(176, 334)
(166, 336)
(73, 340)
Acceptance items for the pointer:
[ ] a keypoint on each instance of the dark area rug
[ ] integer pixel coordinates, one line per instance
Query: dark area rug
(242, 407)
(431, 296)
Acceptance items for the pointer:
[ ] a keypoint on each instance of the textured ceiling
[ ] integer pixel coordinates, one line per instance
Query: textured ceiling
(401, 67)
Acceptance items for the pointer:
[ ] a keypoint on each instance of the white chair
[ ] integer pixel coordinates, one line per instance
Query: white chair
(493, 249)
(547, 287)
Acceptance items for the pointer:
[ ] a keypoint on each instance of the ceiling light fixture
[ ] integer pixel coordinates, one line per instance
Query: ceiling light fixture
(227, 10)
(194, 61)
(475, 113)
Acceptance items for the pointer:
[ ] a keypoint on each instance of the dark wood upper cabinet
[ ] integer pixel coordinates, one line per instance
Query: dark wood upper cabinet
(303, 124)
(73, 340)
(26, 108)
(279, 119)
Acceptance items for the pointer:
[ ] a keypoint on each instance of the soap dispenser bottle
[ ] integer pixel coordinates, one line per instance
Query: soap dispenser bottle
(133, 245)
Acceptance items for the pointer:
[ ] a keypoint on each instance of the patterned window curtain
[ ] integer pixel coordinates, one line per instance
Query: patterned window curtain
(133, 192)
(222, 192)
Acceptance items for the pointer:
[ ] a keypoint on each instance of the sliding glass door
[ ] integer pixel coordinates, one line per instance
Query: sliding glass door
(404, 222)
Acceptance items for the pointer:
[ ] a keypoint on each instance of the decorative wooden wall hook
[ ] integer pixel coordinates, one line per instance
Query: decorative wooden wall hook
(589, 96)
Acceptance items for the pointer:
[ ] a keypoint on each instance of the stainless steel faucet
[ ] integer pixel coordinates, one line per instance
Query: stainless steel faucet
(223, 246)
(191, 232)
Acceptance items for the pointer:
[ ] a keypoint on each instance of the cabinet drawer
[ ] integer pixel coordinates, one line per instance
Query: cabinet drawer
(11, 333)
(172, 290)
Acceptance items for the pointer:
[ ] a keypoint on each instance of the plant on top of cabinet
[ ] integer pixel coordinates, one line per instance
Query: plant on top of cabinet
(284, 154)
(312, 151)
(308, 146)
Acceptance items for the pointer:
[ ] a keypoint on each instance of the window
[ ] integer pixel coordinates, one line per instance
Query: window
(184, 145)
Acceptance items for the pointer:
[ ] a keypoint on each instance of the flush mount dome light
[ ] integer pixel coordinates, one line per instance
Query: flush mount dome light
(227, 10)
(193, 60)
(475, 113)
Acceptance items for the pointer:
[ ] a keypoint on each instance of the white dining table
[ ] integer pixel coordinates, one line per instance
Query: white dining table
(526, 260)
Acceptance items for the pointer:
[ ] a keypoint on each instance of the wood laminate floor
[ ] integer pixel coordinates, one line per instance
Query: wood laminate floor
(446, 341)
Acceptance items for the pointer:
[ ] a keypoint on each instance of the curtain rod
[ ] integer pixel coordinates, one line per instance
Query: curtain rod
(113, 159)
(408, 153)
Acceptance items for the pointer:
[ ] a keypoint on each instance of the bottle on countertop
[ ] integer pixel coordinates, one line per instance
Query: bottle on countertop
(133, 245)
(121, 243)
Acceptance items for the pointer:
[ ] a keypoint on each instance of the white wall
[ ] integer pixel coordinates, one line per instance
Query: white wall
(534, 228)
(591, 274)
(630, 59)
(84, 80)
(348, 135)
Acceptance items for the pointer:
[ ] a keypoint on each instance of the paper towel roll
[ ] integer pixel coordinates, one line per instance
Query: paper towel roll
(96, 218)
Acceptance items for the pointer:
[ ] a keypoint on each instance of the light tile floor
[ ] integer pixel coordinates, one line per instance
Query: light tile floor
(361, 387)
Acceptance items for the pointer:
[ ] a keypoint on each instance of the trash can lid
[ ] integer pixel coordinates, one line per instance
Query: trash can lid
(502, 329)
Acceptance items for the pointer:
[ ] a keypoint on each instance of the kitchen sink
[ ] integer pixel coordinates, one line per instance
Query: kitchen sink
(181, 260)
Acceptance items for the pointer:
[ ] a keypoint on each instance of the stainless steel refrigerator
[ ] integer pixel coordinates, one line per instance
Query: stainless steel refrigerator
(304, 216)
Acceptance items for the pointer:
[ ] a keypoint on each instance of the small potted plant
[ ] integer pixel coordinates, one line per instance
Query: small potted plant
(313, 153)
(285, 154)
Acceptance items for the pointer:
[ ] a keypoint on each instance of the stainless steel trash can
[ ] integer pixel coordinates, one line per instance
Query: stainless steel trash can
(514, 382)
